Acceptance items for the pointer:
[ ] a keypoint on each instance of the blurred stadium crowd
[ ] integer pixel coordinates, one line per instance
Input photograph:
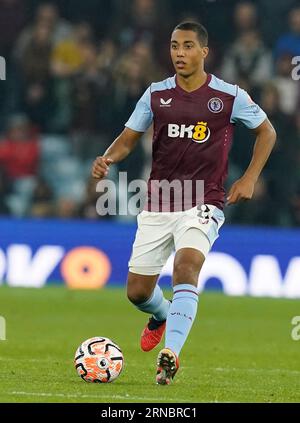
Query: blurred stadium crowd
(75, 70)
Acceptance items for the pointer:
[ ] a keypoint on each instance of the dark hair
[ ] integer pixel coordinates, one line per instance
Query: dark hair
(196, 27)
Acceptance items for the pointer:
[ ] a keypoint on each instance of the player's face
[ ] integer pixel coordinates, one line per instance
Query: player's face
(186, 52)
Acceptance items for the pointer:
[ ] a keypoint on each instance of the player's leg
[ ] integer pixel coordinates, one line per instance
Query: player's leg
(194, 236)
(152, 247)
(182, 311)
(147, 296)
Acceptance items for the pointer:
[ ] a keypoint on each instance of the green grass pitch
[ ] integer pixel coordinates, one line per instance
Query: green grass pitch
(239, 349)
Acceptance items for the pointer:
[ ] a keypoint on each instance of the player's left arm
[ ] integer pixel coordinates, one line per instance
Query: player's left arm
(243, 188)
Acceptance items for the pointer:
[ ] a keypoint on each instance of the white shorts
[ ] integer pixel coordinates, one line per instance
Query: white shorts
(160, 233)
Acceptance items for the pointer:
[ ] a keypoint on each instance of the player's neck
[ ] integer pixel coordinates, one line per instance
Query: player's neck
(193, 82)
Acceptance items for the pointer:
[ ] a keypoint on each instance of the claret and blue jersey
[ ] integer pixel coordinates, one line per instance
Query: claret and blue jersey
(193, 131)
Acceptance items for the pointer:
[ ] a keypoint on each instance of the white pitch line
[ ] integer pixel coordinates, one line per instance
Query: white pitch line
(127, 397)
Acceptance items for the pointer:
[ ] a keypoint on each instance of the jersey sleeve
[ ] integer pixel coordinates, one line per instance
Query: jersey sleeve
(246, 111)
(142, 116)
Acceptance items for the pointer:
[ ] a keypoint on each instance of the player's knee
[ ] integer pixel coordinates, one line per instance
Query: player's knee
(137, 295)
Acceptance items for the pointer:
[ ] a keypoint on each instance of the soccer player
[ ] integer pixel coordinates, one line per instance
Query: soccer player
(194, 114)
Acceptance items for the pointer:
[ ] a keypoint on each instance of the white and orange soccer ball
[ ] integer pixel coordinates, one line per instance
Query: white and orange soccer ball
(99, 360)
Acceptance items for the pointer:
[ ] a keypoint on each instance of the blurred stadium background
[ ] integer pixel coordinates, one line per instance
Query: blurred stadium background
(74, 71)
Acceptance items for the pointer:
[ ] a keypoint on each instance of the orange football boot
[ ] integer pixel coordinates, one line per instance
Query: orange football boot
(152, 334)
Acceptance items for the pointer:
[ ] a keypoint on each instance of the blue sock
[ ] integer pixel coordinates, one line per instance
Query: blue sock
(156, 305)
(181, 316)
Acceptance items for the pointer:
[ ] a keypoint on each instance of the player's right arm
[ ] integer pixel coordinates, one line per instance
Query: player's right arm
(138, 123)
(118, 150)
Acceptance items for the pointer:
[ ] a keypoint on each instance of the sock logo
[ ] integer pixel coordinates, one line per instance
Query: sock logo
(177, 313)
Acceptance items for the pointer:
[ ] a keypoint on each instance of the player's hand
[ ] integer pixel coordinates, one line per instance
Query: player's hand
(242, 189)
(101, 167)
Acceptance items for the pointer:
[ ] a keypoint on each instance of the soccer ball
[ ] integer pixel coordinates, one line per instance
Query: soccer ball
(99, 360)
